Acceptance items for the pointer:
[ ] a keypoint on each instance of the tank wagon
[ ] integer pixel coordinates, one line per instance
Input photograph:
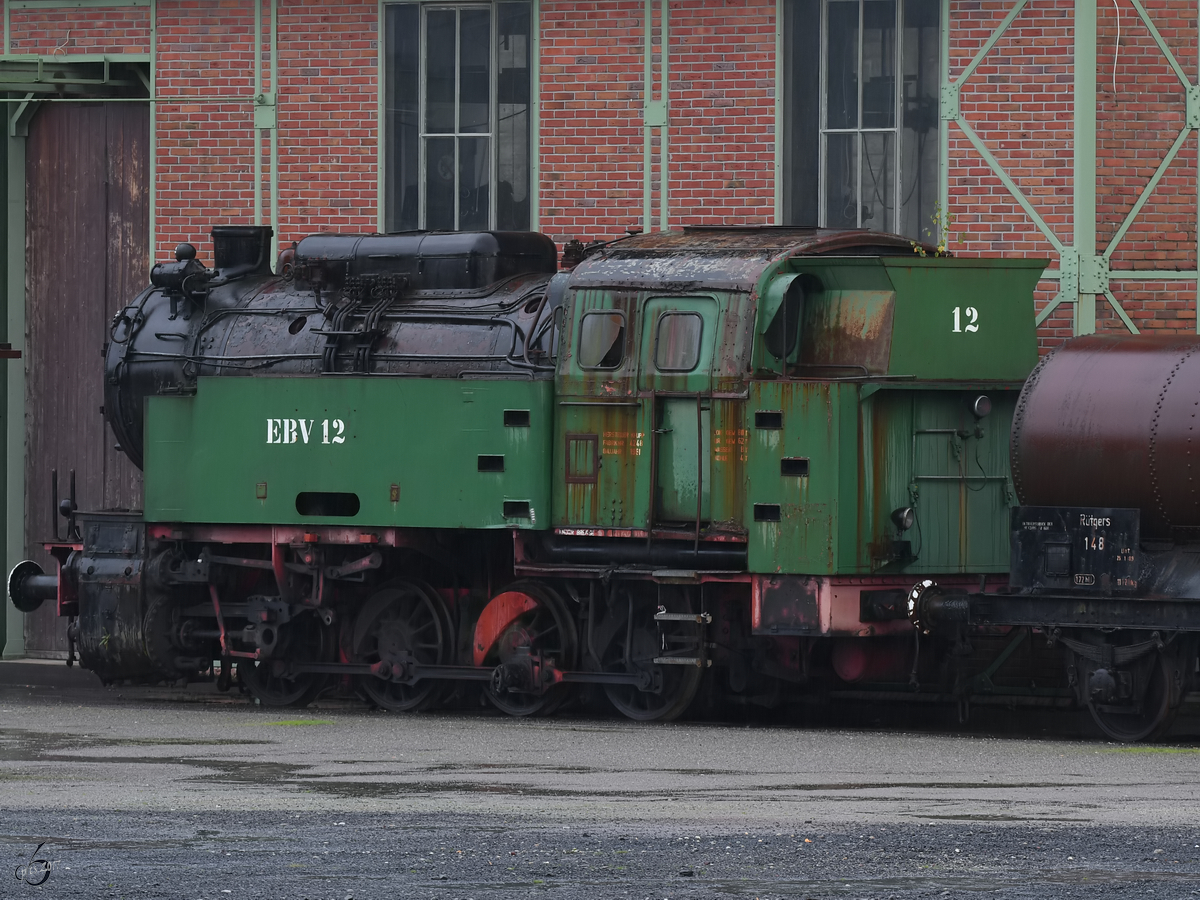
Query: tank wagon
(1106, 542)
(415, 461)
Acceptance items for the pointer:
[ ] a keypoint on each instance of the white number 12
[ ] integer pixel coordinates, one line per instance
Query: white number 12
(972, 314)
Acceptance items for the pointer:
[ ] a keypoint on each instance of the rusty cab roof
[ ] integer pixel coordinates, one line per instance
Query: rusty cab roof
(719, 257)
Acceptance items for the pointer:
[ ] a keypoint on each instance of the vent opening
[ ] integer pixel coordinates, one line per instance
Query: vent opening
(796, 466)
(327, 503)
(768, 419)
(516, 509)
(766, 512)
(516, 418)
(491, 463)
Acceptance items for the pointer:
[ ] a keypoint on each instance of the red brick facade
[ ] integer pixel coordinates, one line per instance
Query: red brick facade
(721, 139)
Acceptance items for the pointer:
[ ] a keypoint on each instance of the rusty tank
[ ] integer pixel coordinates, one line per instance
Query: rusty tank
(1112, 421)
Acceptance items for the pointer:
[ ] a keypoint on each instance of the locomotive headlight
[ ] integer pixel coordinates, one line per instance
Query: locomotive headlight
(904, 517)
(982, 406)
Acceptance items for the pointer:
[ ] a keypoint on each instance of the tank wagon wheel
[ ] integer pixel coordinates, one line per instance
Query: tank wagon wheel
(404, 620)
(304, 638)
(636, 648)
(1150, 713)
(522, 627)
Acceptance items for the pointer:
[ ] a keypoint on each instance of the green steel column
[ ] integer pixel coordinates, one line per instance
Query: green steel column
(153, 150)
(275, 132)
(535, 121)
(777, 209)
(257, 131)
(6, 368)
(944, 124)
(1084, 214)
(14, 537)
(647, 92)
(664, 131)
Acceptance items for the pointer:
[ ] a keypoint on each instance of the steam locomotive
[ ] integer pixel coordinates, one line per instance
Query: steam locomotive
(743, 461)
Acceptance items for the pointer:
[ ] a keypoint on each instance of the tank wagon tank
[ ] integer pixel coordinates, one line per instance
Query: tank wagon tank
(411, 462)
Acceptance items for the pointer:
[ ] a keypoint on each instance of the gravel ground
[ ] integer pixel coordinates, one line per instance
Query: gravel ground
(137, 794)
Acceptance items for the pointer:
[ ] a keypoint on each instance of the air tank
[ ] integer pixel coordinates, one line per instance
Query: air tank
(1112, 421)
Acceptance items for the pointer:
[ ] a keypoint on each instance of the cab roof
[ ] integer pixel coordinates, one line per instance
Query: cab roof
(729, 258)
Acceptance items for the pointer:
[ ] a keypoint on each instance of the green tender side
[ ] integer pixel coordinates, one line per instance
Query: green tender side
(418, 452)
(864, 457)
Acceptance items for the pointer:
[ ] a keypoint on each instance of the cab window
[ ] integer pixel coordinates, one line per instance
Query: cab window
(602, 340)
(677, 341)
(783, 333)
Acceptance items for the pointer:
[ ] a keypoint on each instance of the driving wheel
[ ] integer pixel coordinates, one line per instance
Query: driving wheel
(303, 639)
(404, 622)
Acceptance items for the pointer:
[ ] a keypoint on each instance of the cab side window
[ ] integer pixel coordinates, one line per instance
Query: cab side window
(602, 340)
(677, 341)
(783, 333)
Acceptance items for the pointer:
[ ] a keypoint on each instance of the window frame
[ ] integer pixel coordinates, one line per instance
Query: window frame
(859, 131)
(383, 188)
(625, 355)
(785, 153)
(698, 346)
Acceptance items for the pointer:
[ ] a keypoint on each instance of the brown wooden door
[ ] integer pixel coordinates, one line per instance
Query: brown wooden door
(87, 221)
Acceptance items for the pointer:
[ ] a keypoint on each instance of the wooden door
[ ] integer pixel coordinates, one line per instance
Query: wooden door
(87, 221)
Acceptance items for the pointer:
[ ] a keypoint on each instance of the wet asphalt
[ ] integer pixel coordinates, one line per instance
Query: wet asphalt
(156, 793)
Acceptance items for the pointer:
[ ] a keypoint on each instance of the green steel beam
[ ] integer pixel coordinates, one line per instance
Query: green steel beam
(6, 373)
(258, 86)
(1155, 275)
(1083, 224)
(1137, 274)
(1007, 181)
(655, 114)
(944, 129)
(665, 131)
(16, 131)
(779, 111)
(275, 132)
(197, 98)
(535, 115)
(1147, 191)
(381, 143)
(152, 174)
(1050, 307)
(647, 82)
(75, 4)
(991, 42)
(1124, 316)
(76, 57)
(1158, 39)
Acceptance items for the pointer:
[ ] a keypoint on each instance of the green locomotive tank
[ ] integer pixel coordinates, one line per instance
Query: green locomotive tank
(410, 463)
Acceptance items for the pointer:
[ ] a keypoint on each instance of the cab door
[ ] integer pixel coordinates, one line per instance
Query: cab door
(675, 376)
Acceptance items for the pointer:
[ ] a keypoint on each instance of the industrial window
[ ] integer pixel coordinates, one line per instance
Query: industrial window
(861, 114)
(677, 342)
(601, 340)
(458, 116)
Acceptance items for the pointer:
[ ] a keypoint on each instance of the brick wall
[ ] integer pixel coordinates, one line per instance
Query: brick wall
(591, 118)
(205, 148)
(329, 129)
(721, 137)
